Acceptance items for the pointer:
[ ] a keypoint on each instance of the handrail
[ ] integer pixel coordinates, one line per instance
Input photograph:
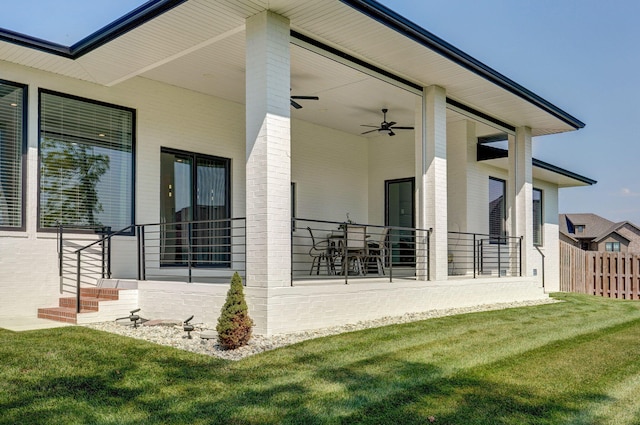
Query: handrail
(106, 256)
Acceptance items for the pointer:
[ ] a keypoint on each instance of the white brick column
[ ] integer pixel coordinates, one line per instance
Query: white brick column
(268, 152)
(520, 199)
(431, 178)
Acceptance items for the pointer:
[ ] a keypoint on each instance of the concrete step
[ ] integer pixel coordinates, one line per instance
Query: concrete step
(91, 300)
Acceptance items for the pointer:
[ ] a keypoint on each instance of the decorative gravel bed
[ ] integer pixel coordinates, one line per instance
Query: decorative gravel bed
(170, 332)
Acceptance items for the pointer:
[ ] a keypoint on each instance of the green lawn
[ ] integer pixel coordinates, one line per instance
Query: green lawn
(576, 362)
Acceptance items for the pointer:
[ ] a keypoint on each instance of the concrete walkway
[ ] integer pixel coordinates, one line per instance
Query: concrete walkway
(28, 323)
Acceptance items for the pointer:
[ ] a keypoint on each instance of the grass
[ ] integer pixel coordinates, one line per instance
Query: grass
(576, 362)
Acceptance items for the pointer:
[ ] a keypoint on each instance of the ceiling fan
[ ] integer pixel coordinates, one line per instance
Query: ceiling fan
(385, 127)
(299, 106)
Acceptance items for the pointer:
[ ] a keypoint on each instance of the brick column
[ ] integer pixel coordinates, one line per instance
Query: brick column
(520, 197)
(268, 152)
(431, 178)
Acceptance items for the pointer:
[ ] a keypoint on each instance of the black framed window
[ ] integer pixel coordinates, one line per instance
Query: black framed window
(537, 216)
(12, 149)
(86, 151)
(497, 210)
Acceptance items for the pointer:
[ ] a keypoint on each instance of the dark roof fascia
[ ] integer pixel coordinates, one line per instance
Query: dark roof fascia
(393, 20)
(562, 171)
(132, 20)
(35, 43)
(485, 153)
(126, 23)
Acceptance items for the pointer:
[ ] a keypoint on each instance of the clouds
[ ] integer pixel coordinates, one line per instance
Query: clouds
(625, 192)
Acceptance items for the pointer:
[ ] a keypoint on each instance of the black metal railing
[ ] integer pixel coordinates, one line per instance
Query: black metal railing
(344, 251)
(71, 238)
(202, 251)
(478, 255)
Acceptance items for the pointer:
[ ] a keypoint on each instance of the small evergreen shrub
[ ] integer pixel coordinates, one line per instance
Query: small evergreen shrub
(234, 323)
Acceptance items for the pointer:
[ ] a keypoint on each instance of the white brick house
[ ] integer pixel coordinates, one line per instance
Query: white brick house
(185, 98)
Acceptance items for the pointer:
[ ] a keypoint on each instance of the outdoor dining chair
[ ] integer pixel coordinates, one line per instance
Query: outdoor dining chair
(319, 253)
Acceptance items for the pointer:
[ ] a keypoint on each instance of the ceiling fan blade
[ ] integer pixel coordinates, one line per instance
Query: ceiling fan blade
(370, 131)
(391, 133)
(295, 104)
(306, 97)
(403, 128)
(372, 126)
(391, 124)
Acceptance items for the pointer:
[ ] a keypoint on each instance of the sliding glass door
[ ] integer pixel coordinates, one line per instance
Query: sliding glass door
(194, 209)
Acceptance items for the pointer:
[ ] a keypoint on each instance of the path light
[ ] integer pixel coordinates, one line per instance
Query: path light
(188, 327)
(133, 317)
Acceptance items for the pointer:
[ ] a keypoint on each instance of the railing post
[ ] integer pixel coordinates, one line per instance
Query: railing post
(189, 251)
(78, 254)
(345, 264)
(139, 250)
(109, 239)
(102, 254)
(390, 256)
(60, 248)
(143, 254)
(475, 260)
(293, 226)
(499, 257)
(520, 255)
(429, 253)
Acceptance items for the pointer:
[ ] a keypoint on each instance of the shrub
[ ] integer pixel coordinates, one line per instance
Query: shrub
(234, 323)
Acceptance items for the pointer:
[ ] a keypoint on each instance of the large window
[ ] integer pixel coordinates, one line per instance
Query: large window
(86, 162)
(12, 143)
(497, 211)
(537, 217)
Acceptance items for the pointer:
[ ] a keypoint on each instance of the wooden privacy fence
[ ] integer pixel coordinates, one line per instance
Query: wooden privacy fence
(607, 274)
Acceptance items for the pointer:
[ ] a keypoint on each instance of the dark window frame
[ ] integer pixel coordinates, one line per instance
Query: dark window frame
(501, 236)
(23, 157)
(132, 183)
(541, 224)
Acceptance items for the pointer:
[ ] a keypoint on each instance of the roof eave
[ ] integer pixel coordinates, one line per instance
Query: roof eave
(115, 29)
(393, 20)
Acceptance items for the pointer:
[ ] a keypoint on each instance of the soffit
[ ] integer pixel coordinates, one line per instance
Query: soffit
(199, 45)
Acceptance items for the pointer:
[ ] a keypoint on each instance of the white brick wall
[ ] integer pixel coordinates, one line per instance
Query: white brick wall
(301, 308)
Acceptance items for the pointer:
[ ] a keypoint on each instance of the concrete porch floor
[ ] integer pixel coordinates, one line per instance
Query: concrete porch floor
(28, 323)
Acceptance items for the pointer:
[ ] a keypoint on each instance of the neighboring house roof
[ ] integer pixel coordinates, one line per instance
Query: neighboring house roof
(596, 228)
(148, 42)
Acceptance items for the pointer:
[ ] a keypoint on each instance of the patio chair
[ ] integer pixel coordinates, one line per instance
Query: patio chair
(319, 252)
(354, 250)
(377, 251)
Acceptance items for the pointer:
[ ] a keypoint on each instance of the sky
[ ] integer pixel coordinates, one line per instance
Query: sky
(581, 55)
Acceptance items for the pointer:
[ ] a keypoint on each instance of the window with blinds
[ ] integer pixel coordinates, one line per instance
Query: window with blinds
(86, 163)
(12, 148)
(537, 216)
(497, 211)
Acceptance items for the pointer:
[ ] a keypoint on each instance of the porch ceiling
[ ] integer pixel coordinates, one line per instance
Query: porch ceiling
(199, 45)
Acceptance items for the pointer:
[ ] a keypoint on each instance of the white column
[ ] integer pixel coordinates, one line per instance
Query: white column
(431, 178)
(520, 187)
(268, 153)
